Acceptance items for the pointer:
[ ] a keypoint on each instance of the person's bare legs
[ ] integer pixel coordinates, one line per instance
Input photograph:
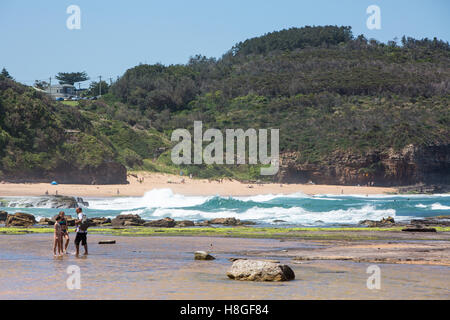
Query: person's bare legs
(85, 249)
(67, 243)
(58, 244)
(77, 249)
(55, 244)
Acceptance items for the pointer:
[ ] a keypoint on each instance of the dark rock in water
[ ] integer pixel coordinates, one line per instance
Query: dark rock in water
(184, 223)
(63, 202)
(385, 222)
(230, 222)
(107, 242)
(258, 270)
(224, 221)
(203, 223)
(127, 220)
(202, 255)
(94, 222)
(162, 223)
(82, 202)
(388, 220)
(57, 202)
(3, 216)
(439, 221)
(46, 222)
(20, 219)
(418, 229)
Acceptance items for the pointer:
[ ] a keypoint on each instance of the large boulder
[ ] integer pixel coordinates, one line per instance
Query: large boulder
(385, 222)
(57, 202)
(202, 255)
(125, 220)
(46, 222)
(162, 223)
(203, 223)
(97, 221)
(184, 223)
(230, 221)
(259, 270)
(20, 219)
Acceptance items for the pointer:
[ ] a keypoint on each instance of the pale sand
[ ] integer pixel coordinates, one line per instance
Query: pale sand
(190, 187)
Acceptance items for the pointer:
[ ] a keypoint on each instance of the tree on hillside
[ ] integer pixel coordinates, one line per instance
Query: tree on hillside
(40, 84)
(5, 74)
(71, 77)
(95, 86)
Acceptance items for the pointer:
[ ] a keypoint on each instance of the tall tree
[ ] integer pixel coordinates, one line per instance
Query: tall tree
(5, 74)
(40, 84)
(98, 87)
(71, 77)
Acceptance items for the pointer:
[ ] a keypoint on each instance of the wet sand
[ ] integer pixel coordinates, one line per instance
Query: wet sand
(197, 187)
(163, 268)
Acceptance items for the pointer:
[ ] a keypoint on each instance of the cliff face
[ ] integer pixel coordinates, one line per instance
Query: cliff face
(411, 165)
(105, 173)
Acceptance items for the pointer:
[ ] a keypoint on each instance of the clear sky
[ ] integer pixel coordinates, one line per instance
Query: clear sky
(116, 35)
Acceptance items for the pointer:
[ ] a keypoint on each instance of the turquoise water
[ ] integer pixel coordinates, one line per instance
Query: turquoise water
(294, 209)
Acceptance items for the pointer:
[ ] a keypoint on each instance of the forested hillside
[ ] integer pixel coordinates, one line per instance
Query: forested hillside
(41, 140)
(350, 110)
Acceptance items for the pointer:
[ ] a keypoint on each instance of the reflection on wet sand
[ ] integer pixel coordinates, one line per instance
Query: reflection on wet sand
(163, 268)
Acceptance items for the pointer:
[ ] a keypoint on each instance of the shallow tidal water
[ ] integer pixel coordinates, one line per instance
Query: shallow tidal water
(164, 268)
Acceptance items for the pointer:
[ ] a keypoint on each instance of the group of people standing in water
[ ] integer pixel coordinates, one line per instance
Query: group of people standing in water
(62, 233)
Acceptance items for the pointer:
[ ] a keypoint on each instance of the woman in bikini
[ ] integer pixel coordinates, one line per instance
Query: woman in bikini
(64, 231)
(57, 237)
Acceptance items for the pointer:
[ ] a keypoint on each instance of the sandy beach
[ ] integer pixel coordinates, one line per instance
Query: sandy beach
(192, 187)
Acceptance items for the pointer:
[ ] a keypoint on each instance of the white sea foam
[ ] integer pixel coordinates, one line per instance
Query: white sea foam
(294, 215)
(299, 209)
(157, 198)
(434, 206)
(438, 206)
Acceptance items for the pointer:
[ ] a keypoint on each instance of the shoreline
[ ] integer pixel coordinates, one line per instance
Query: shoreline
(190, 187)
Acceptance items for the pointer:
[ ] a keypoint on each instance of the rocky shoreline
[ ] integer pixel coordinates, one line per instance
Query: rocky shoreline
(20, 219)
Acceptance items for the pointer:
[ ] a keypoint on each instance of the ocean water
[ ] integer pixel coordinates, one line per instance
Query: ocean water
(294, 209)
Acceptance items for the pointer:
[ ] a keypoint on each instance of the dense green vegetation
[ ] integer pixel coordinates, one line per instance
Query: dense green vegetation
(325, 89)
(38, 135)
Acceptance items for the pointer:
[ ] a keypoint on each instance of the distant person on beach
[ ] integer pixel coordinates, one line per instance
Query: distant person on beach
(64, 232)
(57, 240)
(82, 226)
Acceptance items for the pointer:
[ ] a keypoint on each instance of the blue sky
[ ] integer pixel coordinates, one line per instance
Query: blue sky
(117, 35)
